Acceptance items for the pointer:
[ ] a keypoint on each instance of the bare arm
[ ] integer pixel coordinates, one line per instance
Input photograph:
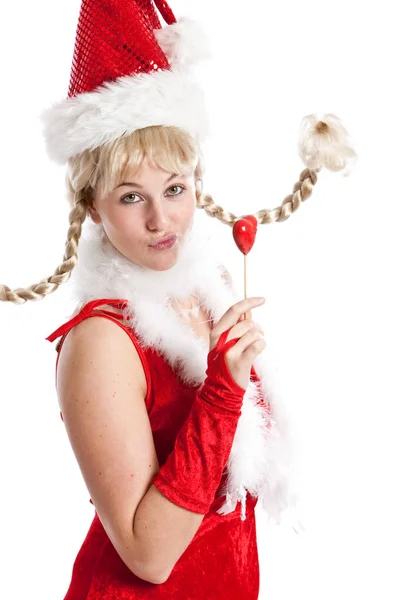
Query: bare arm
(162, 531)
(101, 388)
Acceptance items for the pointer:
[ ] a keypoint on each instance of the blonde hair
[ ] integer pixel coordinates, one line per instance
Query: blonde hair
(174, 150)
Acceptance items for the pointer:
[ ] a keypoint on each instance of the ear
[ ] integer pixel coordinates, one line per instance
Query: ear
(96, 218)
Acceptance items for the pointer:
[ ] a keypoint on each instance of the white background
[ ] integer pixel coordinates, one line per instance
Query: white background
(329, 274)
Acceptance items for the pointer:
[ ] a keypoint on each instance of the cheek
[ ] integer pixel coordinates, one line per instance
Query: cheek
(125, 225)
(186, 212)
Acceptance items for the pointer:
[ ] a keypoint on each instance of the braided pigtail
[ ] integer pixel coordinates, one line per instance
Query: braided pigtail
(322, 143)
(50, 284)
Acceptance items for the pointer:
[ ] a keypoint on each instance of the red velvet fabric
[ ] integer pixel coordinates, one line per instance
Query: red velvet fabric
(192, 473)
(221, 562)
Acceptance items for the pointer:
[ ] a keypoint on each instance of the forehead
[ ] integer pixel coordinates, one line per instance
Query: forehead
(148, 165)
(141, 169)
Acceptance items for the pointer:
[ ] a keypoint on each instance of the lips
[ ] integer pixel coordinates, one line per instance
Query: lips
(166, 239)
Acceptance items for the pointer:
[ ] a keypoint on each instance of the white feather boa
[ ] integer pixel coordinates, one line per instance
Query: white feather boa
(261, 457)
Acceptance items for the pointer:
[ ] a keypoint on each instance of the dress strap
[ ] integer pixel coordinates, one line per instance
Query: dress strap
(89, 310)
(85, 312)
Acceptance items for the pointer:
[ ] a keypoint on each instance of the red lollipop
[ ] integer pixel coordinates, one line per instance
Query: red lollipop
(244, 233)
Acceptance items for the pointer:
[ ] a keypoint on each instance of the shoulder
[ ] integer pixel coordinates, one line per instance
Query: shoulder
(101, 343)
(101, 305)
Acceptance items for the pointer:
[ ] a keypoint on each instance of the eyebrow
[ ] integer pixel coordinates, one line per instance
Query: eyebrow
(133, 184)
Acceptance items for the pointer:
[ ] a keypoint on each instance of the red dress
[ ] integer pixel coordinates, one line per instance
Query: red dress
(221, 561)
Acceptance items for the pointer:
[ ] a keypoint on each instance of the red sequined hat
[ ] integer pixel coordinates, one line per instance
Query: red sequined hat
(127, 72)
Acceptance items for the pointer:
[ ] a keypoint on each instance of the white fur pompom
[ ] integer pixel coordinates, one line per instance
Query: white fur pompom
(324, 143)
(184, 42)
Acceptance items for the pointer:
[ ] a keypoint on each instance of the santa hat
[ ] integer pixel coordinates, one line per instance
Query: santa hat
(127, 73)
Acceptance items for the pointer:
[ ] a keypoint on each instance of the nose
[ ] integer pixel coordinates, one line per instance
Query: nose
(156, 217)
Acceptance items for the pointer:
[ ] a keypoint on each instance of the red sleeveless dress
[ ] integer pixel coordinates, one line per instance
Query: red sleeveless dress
(221, 561)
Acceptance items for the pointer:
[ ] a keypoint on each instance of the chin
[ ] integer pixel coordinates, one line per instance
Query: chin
(161, 268)
(156, 263)
(160, 263)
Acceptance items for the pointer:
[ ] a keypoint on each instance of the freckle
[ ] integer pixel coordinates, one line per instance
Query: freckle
(131, 474)
(100, 473)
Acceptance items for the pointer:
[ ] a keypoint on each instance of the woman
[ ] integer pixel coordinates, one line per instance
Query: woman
(165, 397)
(130, 403)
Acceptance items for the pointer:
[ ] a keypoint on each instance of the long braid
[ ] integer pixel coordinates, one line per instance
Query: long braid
(302, 190)
(50, 284)
(322, 143)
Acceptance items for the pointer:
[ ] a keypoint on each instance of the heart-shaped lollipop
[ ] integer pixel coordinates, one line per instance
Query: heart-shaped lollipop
(244, 233)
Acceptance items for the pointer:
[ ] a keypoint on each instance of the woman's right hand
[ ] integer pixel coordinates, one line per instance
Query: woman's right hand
(239, 358)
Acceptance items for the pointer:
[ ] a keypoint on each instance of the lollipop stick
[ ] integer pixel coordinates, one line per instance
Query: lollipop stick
(245, 281)
(245, 275)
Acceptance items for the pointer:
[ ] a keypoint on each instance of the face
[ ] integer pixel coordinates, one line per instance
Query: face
(150, 206)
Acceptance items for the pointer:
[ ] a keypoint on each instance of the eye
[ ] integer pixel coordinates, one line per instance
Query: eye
(177, 186)
(125, 201)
